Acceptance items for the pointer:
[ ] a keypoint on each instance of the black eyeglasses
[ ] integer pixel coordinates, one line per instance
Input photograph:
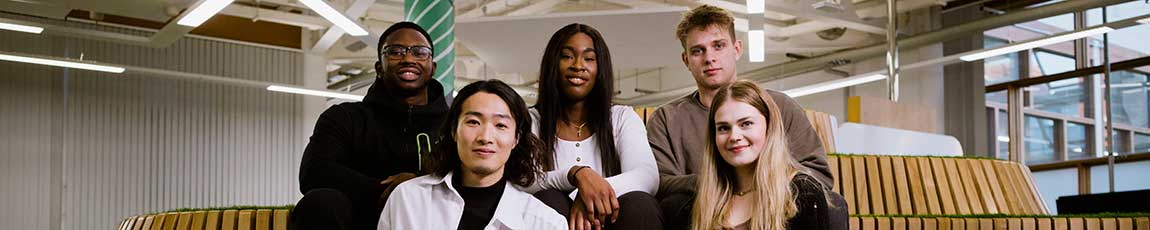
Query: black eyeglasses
(396, 52)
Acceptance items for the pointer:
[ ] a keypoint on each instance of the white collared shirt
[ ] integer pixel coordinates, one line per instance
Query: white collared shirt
(431, 202)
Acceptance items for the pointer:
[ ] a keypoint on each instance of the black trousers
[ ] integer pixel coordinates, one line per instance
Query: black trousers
(677, 210)
(331, 209)
(637, 210)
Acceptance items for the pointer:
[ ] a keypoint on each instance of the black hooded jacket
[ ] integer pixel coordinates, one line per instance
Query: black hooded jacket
(356, 145)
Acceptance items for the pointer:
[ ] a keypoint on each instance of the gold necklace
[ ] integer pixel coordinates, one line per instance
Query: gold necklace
(578, 128)
(744, 192)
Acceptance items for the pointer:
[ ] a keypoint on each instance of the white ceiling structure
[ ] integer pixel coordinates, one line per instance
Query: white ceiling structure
(505, 38)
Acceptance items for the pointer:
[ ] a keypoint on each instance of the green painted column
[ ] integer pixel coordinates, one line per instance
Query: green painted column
(438, 18)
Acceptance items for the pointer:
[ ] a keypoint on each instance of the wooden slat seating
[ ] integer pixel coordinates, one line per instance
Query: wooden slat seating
(1012, 223)
(900, 185)
(262, 219)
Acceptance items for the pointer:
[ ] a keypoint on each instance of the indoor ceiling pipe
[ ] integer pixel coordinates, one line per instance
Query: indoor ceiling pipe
(793, 68)
(892, 50)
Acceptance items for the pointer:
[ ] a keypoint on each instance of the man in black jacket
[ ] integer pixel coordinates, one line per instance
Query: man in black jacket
(360, 151)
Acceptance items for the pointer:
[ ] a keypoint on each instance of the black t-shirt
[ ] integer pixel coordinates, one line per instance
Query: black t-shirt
(479, 204)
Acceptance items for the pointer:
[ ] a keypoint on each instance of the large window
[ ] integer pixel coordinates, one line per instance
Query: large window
(1040, 140)
(1060, 119)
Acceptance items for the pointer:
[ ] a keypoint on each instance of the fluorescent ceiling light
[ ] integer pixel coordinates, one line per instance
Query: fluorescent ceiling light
(311, 92)
(21, 28)
(1144, 21)
(833, 85)
(66, 64)
(756, 6)
(202, 11)
(334, 17)
(1035, 43)
(755, 45)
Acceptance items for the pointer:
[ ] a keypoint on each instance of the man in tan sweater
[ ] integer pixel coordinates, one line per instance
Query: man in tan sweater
(677, 130)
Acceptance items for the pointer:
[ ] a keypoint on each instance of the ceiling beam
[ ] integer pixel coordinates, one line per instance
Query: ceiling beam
(329, 37)
(543, 6)
(287, 18)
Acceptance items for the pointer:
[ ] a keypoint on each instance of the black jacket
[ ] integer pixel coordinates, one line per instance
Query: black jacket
(356, 145)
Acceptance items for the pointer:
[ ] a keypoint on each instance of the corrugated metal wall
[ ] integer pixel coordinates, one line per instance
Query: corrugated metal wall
(130, 144)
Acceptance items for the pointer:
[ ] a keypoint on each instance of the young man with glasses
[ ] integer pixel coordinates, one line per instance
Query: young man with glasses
(361, 151)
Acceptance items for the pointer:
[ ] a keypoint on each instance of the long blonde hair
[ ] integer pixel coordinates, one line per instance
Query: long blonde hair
(775, 168)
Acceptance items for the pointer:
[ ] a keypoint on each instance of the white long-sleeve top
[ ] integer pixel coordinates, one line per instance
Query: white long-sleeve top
(431, 202)
(636, 161)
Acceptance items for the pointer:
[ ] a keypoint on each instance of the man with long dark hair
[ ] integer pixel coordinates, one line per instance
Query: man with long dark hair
(486, 149)
(360, 151)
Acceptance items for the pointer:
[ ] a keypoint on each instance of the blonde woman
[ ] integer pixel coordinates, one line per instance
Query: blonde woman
(749, 180)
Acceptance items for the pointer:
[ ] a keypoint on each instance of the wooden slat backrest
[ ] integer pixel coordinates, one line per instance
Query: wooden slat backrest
(963, 207)
(244, 220)
(824, 126)
(139, 225)
(993, 193)
(874, 183)
(888, 191)
(228, 220)
(833, 165)
(905, 202)
(968, 185)
(212, 220)
(183, 221)
(198, 220)
(848, 180)
(280, 219)
(986, 196)
(1045, 224)
(263, 219)
(862, 197)
(945, 196)
(1126, 223)
(148, 221)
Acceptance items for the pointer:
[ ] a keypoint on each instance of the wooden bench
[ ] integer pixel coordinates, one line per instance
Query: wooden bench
(901, 185)
(259, 219)
(1070, 223)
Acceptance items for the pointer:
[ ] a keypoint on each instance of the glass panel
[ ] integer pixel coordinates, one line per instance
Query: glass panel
(1117, 12)
(1130, 98)
(996, 98)
(1064, 97)
(1047, 62)
(1002, 135)
(1039, 140)
(1077, 145)
(1002, 68)
(1141, 143)
(1125, 43)
(1121, 141)
(1033, 30)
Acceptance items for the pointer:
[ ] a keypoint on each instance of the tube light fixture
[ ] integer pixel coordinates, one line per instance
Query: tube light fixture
(755, 45)
(833, 85)
(1035, 43)
(202, 11)
(21, 28)
(335, 17)
(1144, 21)
(66, 64)
(312, 92)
